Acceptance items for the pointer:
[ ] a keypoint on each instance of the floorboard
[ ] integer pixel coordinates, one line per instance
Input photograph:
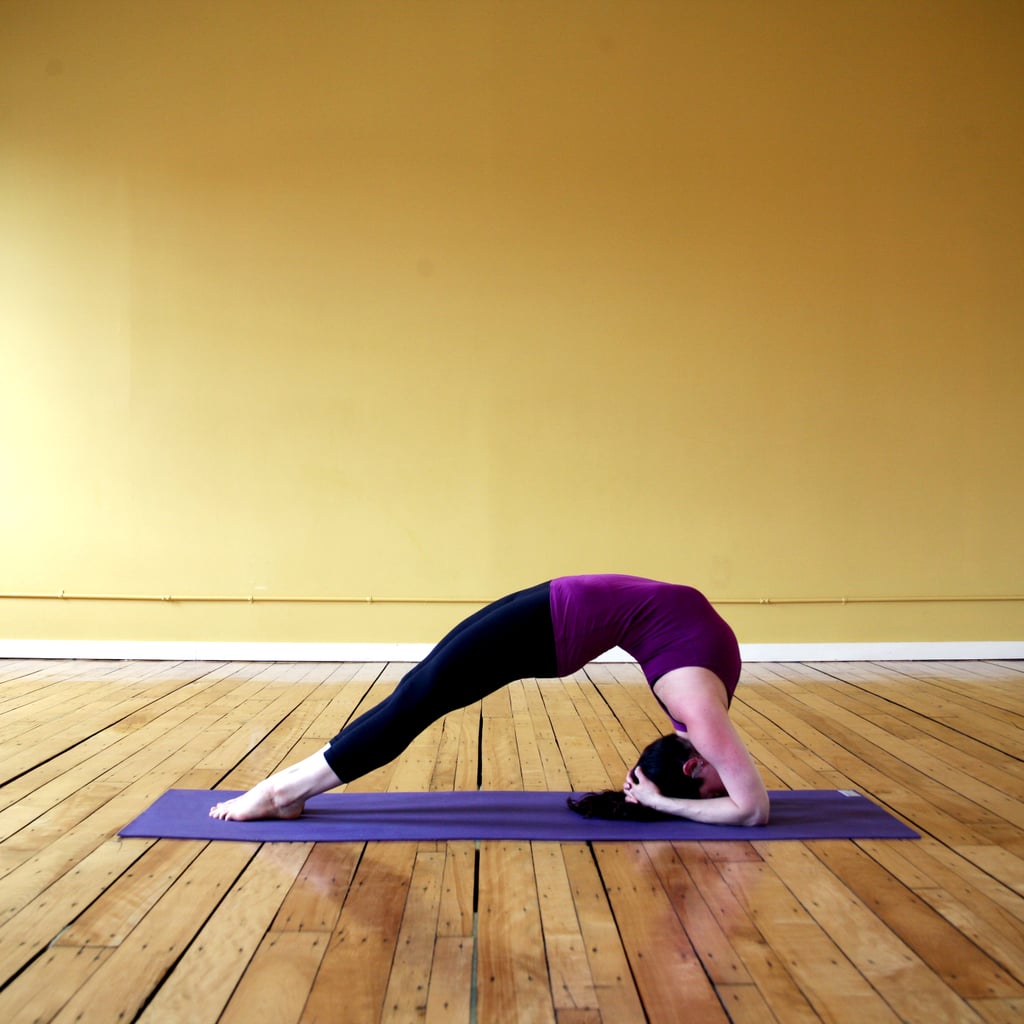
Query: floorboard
(95, 928)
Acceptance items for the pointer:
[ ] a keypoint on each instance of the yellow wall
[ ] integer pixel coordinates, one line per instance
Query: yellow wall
(435, 299)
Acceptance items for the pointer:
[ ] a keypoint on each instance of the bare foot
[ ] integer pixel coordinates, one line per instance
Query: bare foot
(257, 804)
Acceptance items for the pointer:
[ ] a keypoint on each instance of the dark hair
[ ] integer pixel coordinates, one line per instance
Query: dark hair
(662, 762)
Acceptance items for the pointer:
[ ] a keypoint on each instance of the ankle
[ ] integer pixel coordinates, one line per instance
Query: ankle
(272, 792)
(282, 797)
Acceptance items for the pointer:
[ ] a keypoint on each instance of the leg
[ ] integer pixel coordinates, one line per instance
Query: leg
(508, 640)
(485, 618)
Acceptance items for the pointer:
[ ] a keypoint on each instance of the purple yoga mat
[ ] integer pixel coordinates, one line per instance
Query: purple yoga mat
(358, 817)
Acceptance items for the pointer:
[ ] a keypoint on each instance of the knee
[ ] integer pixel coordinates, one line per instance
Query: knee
(422, 693)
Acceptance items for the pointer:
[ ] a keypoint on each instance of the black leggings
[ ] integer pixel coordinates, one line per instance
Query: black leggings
(507, 640)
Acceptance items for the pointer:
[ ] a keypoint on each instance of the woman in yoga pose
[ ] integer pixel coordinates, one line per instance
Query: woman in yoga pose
(687, 652)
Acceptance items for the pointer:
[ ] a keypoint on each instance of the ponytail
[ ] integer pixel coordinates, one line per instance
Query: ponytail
(612, 805)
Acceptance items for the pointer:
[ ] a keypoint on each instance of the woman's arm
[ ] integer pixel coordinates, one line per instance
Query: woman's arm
(697, 697)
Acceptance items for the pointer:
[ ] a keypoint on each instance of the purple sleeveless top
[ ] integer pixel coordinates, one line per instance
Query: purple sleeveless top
(663, 625)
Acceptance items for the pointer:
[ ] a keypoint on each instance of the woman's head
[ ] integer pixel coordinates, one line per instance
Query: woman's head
(673, 765)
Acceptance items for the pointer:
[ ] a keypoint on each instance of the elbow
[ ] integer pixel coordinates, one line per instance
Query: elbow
(758, 815)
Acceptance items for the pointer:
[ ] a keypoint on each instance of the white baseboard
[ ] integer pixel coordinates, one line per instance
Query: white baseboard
(966, 650)
(155, 650)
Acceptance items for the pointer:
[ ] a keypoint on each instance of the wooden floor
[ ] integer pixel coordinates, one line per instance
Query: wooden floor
(95, 929)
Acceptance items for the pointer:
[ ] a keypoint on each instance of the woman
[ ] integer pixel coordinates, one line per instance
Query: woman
(687, 652)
